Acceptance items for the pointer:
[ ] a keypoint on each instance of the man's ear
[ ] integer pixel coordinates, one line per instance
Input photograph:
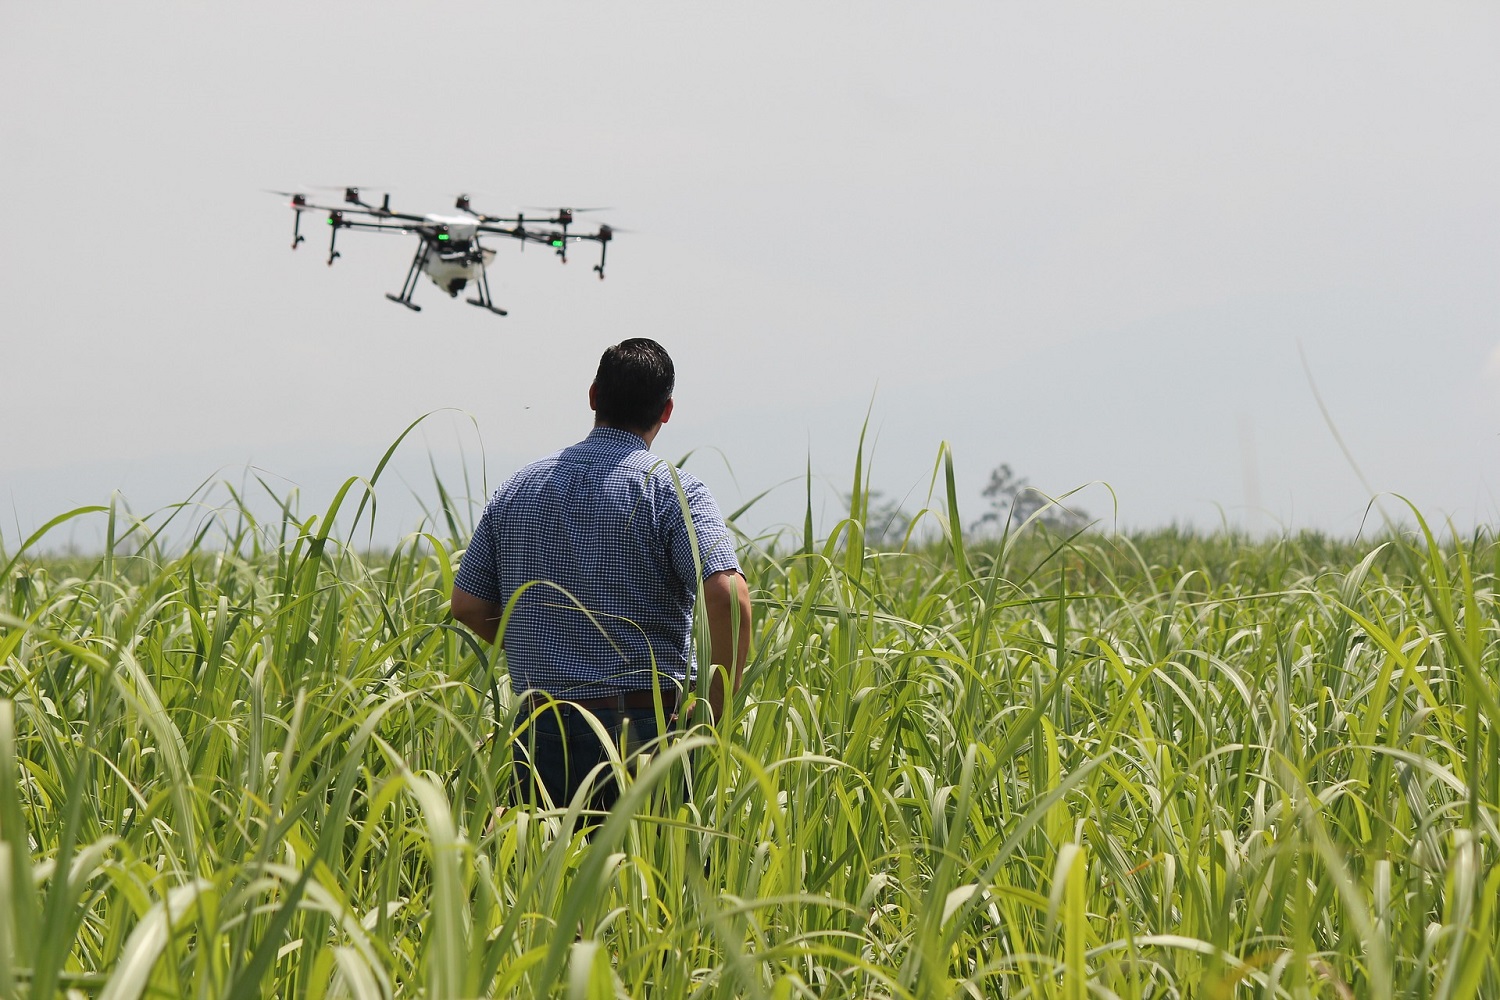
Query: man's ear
(666, 412)
(593, 396)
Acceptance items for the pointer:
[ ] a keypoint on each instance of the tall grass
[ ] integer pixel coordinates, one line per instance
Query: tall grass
(1161, 765)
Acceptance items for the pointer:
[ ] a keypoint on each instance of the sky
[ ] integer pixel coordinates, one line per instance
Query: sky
(1168, 255)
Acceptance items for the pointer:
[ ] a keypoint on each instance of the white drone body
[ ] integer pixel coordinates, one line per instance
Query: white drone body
(452, 270)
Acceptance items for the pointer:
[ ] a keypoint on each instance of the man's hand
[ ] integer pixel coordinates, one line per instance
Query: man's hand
(726, 599)
(482, 617)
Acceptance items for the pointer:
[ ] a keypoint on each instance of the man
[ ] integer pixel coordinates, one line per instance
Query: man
(593, 545)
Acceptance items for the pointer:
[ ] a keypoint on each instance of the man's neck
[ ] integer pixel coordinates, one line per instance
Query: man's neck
(647, 436)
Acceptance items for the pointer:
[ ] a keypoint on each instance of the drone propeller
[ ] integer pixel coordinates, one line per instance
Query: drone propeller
(352, 196)
(299, 200)
(465, 204)
(347, 187)
(564, 216)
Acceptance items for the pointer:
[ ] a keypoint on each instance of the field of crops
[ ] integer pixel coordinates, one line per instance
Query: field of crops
(1163, 765)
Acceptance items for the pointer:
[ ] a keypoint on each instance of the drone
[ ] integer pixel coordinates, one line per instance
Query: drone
(448, 247)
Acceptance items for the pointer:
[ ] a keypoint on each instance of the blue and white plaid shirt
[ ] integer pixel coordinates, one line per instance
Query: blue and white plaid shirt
(599, 525)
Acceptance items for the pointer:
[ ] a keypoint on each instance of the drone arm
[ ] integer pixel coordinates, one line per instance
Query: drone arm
(501, 231)
(524, 235)
(383, 226)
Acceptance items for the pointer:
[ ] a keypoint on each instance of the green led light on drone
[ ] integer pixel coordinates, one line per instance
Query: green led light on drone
(442, 236)
(557, 243)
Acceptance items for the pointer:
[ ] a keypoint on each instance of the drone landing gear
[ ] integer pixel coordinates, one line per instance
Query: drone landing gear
(604, 237)
(483, 301)
(410, 284)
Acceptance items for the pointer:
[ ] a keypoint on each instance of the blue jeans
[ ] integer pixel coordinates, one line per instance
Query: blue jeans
(558, 748)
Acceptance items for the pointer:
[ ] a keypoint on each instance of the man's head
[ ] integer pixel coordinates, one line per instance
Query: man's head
(633, 388)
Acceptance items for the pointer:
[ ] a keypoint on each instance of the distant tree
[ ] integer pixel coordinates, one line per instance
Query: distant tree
(1014, 501)
(886, 521)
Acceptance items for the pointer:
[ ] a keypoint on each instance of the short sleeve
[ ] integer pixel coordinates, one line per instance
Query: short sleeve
(715, 541)
(477, 572)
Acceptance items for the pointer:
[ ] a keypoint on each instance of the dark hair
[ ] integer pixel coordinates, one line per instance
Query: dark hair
(633, 384)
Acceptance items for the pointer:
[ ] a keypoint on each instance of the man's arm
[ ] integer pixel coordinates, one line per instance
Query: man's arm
(482, 617)
(726, 599)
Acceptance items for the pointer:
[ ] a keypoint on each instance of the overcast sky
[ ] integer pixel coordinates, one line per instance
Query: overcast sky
(1093, 241)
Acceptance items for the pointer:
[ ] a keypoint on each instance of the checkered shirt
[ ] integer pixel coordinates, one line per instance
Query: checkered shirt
(599, 525)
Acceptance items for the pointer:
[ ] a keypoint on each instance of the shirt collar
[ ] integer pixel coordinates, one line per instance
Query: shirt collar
(613, 435)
